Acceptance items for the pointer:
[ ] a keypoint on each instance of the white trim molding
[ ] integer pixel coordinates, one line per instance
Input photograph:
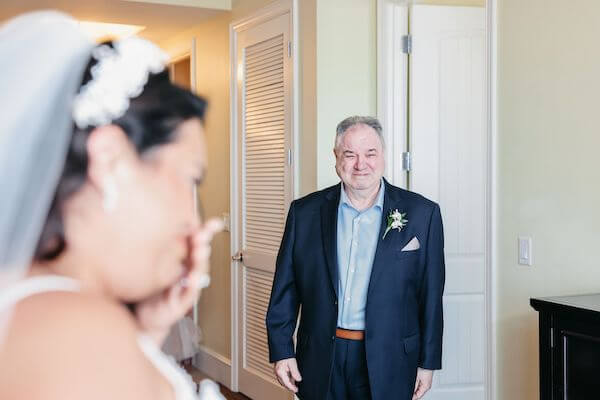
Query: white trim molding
(214, 365)
(296, 98)
(392, 84)
(492, 197)
(266, 13)
(224, 5)
(234, 199)
(181, 50)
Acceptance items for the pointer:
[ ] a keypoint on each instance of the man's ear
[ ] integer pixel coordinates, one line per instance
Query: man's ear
(108, 150)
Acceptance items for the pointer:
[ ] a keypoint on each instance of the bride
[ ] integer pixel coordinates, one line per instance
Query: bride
(100, 249)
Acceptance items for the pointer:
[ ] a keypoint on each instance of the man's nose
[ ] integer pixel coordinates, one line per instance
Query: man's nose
(360, 163)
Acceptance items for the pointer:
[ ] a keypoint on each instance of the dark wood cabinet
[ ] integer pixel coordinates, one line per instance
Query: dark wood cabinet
(569, 340)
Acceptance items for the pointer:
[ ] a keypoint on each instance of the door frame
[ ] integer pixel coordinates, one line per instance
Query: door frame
(274, 9)
(390, 28)
(182, 50)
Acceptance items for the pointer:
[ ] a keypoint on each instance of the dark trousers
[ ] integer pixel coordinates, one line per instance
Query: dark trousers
(349, 378)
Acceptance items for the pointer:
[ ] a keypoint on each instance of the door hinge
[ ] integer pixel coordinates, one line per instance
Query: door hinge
(289, 49)
(407, 44)
(289, 156)
(406, 161)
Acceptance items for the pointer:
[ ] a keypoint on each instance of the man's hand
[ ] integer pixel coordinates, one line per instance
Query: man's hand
(423, 383)
(286, 372)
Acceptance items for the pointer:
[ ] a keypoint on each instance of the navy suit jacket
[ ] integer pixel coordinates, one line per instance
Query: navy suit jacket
(404, 323)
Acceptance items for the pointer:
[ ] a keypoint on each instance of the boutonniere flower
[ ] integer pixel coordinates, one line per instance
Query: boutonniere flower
(395, 220)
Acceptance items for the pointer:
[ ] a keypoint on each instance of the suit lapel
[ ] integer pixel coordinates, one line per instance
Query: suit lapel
(329, 211)
(382, 252)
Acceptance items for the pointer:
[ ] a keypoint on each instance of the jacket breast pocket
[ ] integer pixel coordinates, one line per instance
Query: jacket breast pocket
(401, 255)
(406, 264)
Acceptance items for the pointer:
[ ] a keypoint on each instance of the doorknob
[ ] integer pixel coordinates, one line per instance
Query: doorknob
(237, 257)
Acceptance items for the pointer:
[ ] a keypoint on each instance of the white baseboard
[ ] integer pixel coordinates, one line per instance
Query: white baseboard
(214, 365)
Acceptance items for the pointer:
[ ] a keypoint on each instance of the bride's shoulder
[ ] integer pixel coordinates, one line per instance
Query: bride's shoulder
(67, 334)
(77, 311)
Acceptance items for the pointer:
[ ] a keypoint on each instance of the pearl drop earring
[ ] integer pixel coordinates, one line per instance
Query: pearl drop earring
(110, 195)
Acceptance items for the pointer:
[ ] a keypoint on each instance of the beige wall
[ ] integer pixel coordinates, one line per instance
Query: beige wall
(307, 29)
(549, 171)
(346, 72)
(212, 82)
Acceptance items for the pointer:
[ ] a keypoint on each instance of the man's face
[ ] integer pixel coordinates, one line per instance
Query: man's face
(359, 158)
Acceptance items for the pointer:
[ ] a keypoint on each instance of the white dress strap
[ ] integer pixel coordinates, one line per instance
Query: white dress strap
(182, 383)
(22, 289)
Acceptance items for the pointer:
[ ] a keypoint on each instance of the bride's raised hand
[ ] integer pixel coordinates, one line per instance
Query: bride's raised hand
(157, 314)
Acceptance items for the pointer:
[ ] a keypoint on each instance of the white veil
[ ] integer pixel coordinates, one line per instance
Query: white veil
(42, 59)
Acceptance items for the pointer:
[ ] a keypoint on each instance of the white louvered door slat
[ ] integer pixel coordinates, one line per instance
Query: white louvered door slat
(264, 137)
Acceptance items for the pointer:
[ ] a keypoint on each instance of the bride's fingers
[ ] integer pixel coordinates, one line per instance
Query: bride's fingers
(201, 248)
(206, 232)
(183, 296)
(214, 225)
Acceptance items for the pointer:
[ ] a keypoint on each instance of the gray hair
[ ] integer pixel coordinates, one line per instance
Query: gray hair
(349, 122)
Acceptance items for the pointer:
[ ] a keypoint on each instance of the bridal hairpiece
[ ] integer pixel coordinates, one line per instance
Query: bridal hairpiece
(119, 75)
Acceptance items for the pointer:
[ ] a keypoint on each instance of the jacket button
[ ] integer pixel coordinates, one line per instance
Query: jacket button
(333, 338)
(335, 303)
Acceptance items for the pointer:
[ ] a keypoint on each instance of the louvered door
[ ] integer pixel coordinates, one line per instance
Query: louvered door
(265, 189)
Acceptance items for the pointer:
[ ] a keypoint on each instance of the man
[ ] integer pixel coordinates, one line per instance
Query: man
(365, 261)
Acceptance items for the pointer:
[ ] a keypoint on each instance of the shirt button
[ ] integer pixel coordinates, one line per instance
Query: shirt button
(347, 298)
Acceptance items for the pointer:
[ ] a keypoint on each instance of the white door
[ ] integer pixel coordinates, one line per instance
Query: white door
(264, 189)
(447, 141)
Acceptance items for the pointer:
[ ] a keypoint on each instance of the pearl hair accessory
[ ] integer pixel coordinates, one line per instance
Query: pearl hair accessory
(119, 75)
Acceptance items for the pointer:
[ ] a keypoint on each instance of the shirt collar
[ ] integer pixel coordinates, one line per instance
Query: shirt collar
(378, 201)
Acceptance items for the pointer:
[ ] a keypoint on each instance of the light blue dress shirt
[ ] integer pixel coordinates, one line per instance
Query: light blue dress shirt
(357, 237)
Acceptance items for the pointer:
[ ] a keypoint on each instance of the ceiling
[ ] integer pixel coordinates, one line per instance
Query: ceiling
(162, 21)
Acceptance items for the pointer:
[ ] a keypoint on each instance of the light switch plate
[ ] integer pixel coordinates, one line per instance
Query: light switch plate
(525, 251)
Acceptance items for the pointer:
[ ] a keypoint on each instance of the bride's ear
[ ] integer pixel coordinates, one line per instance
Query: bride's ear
(110, 156)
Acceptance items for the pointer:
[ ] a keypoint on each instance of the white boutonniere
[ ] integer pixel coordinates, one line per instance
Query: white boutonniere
(395, 220)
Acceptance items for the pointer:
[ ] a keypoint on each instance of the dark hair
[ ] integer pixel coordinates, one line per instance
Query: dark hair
(151, 120)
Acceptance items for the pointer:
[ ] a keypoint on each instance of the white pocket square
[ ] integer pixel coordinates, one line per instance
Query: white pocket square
(412, 245)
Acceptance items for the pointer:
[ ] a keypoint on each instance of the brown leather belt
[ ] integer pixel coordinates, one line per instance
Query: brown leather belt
(349, 334)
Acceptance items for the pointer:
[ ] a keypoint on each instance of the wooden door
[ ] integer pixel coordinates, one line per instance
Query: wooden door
(448, 145)
(264, 189)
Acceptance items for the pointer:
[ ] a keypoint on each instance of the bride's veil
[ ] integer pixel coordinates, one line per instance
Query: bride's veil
(42, 59)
